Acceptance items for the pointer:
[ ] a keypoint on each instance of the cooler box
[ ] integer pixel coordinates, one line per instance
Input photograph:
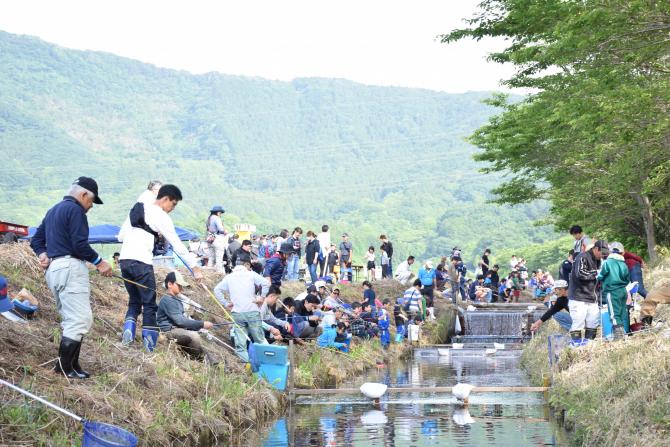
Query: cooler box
(272, 364)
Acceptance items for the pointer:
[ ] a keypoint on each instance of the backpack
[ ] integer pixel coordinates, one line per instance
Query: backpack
(137, 220)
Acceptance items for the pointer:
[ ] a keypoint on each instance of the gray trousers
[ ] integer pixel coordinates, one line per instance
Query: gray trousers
(192, 343)
(68, 280)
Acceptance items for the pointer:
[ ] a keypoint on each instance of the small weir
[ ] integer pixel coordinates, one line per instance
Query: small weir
(421, 410)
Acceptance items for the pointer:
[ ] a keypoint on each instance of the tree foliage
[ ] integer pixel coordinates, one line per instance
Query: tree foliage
(595, 137)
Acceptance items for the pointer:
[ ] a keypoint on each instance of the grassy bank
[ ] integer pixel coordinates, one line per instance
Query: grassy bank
(165, 397)
(611, 393)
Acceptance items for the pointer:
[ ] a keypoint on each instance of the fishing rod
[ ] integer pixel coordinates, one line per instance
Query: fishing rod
(188, 301)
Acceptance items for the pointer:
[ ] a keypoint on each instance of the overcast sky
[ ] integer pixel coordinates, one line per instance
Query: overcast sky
(374, 42)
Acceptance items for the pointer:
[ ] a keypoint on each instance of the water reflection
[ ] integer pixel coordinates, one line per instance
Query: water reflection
(424, 419)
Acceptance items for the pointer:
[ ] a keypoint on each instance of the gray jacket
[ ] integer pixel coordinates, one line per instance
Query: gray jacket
(171, 314)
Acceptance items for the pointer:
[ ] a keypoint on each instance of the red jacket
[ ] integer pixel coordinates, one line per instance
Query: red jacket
(631, 259)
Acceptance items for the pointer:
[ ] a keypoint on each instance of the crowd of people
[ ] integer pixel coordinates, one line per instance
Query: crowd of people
(254, 270)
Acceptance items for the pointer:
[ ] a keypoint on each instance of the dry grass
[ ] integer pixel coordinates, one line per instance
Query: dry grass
(165, 398)
(612, 393)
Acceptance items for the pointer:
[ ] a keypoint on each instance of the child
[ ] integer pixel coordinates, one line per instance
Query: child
(614, 277)
(385, 264)
(370, 257)
(383, 323)
(400, 320)
(333, 263)
(369, 295)
(329, 335)
(516, 286)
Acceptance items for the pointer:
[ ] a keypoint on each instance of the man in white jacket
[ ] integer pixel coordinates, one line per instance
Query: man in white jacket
(136, 260)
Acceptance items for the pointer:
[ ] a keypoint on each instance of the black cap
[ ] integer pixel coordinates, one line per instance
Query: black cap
(311, 288)
(91, 185)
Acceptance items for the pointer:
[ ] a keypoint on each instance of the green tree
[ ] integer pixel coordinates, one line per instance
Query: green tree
(595, 138)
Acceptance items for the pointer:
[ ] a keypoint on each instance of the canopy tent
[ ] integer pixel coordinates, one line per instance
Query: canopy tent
(107, 234)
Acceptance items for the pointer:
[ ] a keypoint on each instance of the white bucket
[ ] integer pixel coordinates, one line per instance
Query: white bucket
(414, 332)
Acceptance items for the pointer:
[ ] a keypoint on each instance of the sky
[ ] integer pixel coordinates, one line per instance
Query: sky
(374, 42)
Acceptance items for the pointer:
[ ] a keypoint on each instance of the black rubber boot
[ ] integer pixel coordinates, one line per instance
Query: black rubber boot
(646, 321)
(590, 333)
(65, 355)
(576, 335)
(75, 363)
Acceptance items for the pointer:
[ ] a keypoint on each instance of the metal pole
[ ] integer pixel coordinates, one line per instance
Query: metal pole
(39, 399)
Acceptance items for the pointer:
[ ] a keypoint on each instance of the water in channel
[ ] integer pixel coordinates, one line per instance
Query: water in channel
(423, 419)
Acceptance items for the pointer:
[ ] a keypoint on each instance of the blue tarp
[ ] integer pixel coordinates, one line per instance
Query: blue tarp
(107, 234)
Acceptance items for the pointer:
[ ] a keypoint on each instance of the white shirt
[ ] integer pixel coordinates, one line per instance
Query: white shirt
(370, 257)
(146, 197)
(139, 244)
(324, 242)
(240, 286)
(403, 267)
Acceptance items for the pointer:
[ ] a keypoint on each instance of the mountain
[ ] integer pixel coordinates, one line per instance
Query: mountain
(364, 159)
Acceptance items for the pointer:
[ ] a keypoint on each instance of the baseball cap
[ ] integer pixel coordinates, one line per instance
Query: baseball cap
(345, 235)
(320, 284)
(176, 277)
(602, 246)
(285, 248)
(561, 284)
(91, 185)
(428, 264)
(616, 247)
(311, 288)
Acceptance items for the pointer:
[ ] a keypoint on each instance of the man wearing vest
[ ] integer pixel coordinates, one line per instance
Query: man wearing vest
(61, 244)
(137, 264)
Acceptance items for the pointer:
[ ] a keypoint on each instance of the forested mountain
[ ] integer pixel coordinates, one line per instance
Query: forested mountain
(366, 160)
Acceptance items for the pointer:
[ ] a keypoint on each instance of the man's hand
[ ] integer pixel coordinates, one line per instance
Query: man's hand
(207, 325)
(275, 332)
(314, 318)
(230, 306)
(535, 326)
(259, 300)
(104, 268)
(197, 273)
(44, 260)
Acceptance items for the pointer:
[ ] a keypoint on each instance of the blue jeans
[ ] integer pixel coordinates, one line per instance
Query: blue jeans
(140, 300)
(563, 319)
(489, 296)
(292, 267)
(390, 275)
(636, 275)
(312, 271)
(248, 326)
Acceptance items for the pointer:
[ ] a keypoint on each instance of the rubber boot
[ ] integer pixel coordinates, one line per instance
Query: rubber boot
(75, 363)
(129, 327)
(66, 353)
(646, 321)
(576, 335)
(149, 338)
(590, 333)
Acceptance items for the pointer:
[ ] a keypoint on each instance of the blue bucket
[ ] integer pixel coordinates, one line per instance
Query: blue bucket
(606, 322)
(98, 434)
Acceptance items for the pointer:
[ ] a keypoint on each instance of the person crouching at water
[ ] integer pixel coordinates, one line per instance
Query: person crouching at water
(177, 326)
(61, 244)
(562, 318)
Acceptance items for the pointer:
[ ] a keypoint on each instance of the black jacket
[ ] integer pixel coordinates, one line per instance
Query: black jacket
(312, 248)
(388, 248)
(560, 304)
(564, 270)
(300, 310)
(582, 285)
